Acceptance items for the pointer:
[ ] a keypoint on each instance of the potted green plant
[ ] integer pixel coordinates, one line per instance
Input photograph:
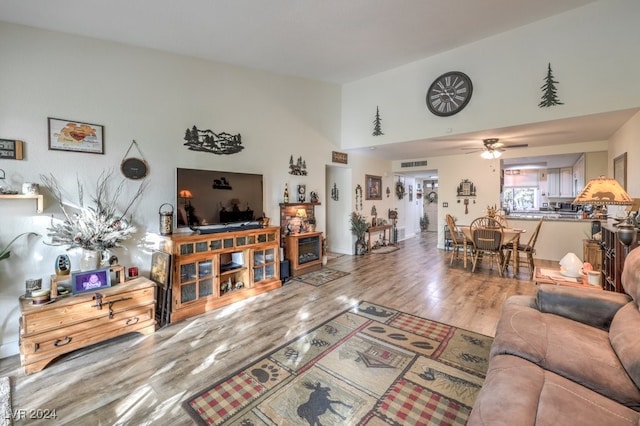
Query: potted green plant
(5, 253)
(424, 222)
(359, 227)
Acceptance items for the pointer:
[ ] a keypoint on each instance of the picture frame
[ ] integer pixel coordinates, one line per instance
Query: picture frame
(160, 268)
(10, 149)
(88, 281)
(620, 170)
(77, 136)
(373, 185)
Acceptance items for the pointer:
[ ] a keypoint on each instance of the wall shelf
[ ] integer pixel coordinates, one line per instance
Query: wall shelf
(38, 197)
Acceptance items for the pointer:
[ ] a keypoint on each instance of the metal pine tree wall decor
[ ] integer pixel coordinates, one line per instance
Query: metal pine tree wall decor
(549, 91)
(377, 128)
(215, 143)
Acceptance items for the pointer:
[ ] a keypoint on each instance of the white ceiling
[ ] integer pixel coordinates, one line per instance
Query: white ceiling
(329, 40)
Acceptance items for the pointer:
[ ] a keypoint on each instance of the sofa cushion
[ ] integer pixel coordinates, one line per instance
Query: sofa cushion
(591, 307)
(631, 275)
(517, 392)
(625, 340)
(569, 348)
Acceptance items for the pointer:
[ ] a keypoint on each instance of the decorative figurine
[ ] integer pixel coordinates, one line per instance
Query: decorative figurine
(63, 265)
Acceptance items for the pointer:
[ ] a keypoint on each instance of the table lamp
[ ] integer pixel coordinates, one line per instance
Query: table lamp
(604, 191)
(302, 214)
(601, 192)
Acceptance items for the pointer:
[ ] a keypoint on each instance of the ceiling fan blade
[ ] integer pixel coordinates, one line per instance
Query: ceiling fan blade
(522, 145)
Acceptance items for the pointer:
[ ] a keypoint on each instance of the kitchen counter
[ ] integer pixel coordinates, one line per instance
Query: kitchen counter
(550, 215)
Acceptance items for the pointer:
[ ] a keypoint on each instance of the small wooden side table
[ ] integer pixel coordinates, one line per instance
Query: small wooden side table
(553, 276)
(380, 228)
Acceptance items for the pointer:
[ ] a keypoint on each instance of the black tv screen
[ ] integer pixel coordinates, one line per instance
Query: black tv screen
(207, 197)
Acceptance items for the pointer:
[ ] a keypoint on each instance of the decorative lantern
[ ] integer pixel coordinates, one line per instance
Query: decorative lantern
(166, 219)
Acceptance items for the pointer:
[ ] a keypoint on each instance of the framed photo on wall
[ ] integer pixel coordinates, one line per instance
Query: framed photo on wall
(373, 185)
(69, 135)
(86, 281)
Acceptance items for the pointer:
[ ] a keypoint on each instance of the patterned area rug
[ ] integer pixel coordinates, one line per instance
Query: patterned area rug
(384, 249)
(321, 277)
(370, 365)
(6, 414)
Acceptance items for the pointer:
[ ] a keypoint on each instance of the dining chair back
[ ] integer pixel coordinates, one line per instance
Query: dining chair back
(526, 251)
(457, 240)
(487, 235)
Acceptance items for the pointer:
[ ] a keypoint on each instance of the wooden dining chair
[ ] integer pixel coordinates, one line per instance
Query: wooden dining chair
(457, 241)
(503, 220)
(525, 251)
(487, 235)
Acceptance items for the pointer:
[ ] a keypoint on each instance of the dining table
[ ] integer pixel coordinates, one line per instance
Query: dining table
(509, 236)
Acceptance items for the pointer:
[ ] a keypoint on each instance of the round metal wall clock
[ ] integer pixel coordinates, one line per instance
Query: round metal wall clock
(449, 93)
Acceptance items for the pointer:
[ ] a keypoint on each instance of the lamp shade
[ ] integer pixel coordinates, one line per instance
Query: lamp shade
(603, 191)
(301, 213)
(570, 265)
(185, 193)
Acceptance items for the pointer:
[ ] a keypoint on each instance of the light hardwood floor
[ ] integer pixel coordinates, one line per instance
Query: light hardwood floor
(142, 380)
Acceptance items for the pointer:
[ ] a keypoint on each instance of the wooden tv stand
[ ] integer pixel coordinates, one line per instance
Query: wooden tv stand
(213, 270)
(73, 322)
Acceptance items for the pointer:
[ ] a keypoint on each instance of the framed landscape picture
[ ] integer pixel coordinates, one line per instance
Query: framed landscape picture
(373, 185)
(160, 268)
(69, 135)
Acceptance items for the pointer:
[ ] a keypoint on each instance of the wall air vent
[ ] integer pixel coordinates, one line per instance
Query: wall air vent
(413, 163)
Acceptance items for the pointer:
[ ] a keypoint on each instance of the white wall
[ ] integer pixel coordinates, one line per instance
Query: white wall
(151, 97)
(589, 51)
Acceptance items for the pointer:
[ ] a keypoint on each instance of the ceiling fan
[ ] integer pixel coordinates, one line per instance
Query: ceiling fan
(493, 148)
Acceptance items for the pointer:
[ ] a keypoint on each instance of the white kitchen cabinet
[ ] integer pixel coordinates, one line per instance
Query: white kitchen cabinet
(560, 182)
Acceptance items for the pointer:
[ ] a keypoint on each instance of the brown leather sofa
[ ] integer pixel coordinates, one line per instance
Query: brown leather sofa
(566, 356)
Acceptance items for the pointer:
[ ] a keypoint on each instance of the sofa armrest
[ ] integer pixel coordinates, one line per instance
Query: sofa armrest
(591, 307)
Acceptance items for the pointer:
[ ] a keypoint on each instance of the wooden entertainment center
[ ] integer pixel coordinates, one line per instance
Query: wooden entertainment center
(213, 270)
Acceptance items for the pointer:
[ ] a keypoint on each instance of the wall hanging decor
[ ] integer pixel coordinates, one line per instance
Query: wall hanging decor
(377, 128)
(388, 191)
(299, 168)
(10, 149)
(466, 189)
(549, 91)
(132, 167)
(410, 192)
(373, 184)
(335, 195)
(339, 157)
(400, 189)
(432, 197)
(449, 93)
(358, 197)
(69, 135)
(215, 143)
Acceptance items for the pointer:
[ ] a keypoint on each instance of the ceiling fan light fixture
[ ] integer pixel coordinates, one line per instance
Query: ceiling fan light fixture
(490, 154)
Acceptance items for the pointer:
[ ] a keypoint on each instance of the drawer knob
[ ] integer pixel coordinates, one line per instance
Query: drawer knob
(62, 342)
(132, 321)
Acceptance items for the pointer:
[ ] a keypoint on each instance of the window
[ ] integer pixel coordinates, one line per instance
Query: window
(520, 198)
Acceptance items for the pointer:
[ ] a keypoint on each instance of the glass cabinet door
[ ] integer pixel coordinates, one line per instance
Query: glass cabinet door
(196, 280)
(264, 264)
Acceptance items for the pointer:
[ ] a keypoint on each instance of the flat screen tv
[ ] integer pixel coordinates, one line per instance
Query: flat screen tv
(206, 198)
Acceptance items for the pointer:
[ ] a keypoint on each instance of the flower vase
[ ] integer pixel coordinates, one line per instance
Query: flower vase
(90, 259)
(361, 246)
